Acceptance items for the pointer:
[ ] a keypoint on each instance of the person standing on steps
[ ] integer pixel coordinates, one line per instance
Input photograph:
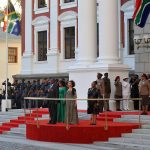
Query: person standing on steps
(61, 108)
(107, 90)
(71, 105)
(93, 105)
(100, 87)
(144, 90)
(118, 93)
(134, 83)
(53, 92)
(126, 93)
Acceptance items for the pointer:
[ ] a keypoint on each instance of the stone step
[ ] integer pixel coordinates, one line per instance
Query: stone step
(11, 114)
(8, 117)
(141, 131)
(22, 126)
(15, 134)
(47, 146)
(128, 146)
(131, 120)
(122, 146)
(107, 144)
(12, 136)
(4, 120)
(146, 126)
(137, 136)
(130, 141)
(21, 130)
(45, 116)
(93, 146)
(18, 110)
(136, 116)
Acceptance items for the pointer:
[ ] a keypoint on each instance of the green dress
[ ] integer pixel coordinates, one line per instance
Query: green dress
(61, 110)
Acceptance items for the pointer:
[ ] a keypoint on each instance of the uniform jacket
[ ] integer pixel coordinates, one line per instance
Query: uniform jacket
(144, 87)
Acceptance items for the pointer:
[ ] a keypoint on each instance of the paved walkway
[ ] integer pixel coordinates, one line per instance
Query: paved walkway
(24, 144)
(16, 146)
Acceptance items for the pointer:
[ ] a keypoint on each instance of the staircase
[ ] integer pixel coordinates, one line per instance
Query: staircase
(139, 139)
(12, 123)
(134, 118)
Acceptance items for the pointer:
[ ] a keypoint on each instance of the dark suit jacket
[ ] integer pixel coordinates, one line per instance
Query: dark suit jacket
(53, 92)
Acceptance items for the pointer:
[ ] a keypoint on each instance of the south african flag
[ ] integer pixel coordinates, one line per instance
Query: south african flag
(11, 20)
(1, 16)
(141, 13)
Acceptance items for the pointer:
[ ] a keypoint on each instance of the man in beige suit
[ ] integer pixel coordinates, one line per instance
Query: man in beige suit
(144, 89)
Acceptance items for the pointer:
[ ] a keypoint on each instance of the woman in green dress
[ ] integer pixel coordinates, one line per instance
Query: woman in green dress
(61, 110)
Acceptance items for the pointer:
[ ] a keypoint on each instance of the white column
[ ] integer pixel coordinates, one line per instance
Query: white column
(53, 25)
(27, 59)
(28, 27)
(108, 32)
(87, 31)
(52, 56)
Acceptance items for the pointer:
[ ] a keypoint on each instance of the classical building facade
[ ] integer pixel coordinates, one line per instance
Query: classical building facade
(14, 56)
(78, 38)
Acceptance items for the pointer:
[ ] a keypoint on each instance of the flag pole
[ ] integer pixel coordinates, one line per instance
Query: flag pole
(6, 92)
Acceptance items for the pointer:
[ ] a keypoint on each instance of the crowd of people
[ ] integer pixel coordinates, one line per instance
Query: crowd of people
(57, 90)
(135, 89)
(61, 109)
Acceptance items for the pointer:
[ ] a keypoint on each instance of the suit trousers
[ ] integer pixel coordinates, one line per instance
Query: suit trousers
(106, 104)
(53, 111)
(118, 105)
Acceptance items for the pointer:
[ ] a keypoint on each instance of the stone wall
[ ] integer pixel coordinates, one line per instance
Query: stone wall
(142, 55)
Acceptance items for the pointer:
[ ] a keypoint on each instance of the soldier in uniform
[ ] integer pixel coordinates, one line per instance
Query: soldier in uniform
(107, 90)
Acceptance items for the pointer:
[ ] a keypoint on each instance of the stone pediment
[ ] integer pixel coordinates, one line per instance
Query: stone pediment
(40, 21)
(69, 15)
(128, 6)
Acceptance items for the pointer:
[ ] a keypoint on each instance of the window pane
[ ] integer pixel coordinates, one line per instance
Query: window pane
(42, 3)
(12, 55)
(42, 46)
(69, 42)
(68, 1)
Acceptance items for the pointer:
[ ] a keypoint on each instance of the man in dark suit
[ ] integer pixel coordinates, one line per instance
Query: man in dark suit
(53, 92)
(8, 86)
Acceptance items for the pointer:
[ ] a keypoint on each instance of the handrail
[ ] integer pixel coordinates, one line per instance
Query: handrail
(83, 99)
(36, 99)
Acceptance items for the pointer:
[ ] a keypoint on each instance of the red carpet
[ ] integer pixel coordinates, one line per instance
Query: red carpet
(82, 133)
